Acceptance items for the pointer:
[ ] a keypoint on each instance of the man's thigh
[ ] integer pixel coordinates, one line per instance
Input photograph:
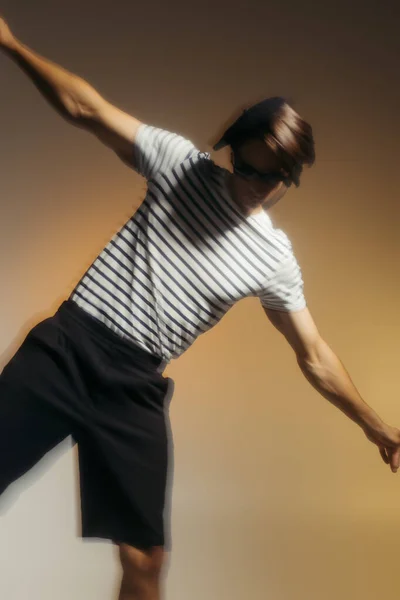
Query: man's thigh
(29, 426)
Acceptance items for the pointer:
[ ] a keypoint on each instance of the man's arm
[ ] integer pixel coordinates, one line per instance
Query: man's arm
(330, 378)
(322, 368)
(74, 98)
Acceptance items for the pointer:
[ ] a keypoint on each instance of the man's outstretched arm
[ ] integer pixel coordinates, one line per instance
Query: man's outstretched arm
(73, 97)
(326, 373)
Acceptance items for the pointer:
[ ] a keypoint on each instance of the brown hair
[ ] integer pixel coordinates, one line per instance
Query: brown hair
(291, 139)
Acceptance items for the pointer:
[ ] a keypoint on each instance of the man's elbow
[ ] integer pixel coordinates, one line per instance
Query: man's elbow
(82, 101)
(312, 355)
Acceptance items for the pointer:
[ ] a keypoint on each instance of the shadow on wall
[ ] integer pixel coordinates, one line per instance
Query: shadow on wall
(11, 494)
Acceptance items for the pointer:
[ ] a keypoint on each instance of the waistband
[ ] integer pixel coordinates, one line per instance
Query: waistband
(106, 336)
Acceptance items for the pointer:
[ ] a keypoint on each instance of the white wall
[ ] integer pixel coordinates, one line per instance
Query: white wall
(276, 493)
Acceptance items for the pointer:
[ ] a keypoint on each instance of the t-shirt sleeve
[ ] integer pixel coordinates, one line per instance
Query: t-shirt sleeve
(285, 290)
(158, 150)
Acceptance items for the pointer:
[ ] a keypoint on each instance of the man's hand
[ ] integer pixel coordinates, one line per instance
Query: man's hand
(7, 40)
(387, 439)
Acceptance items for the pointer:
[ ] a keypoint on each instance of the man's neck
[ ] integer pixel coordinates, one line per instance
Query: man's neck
(248, 204)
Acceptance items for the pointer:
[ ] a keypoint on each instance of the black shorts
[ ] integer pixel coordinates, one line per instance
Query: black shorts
(73, 376)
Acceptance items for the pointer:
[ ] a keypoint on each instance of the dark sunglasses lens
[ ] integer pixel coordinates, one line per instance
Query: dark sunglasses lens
(247, 171)
(272, 178)
(243, 170)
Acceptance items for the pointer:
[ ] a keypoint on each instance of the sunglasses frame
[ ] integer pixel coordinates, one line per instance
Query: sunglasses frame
(249, 172)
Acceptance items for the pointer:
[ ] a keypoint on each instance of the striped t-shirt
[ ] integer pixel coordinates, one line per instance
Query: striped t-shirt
(187, 255)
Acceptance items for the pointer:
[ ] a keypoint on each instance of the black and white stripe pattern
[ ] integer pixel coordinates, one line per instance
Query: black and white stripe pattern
(187, 255)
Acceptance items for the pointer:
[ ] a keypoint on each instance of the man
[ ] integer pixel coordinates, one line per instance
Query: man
(200, 241)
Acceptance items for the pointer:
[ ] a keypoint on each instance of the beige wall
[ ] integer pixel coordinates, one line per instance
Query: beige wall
(277, 494)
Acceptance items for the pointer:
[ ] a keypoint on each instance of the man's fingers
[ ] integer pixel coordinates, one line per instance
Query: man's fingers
(395, 459)
(385, 457)
(391, 456)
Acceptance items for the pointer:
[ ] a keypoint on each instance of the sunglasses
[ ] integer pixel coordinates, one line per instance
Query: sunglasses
(273, 177)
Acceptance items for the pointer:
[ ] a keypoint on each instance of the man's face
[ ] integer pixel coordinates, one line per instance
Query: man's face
(255, 153)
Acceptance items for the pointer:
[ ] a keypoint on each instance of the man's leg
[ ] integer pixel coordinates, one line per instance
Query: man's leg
(29, 425)
(142, 570)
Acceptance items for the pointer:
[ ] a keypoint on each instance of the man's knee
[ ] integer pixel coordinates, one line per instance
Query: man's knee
(142, 564)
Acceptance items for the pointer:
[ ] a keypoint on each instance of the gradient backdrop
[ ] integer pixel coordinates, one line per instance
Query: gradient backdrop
(277, 494)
